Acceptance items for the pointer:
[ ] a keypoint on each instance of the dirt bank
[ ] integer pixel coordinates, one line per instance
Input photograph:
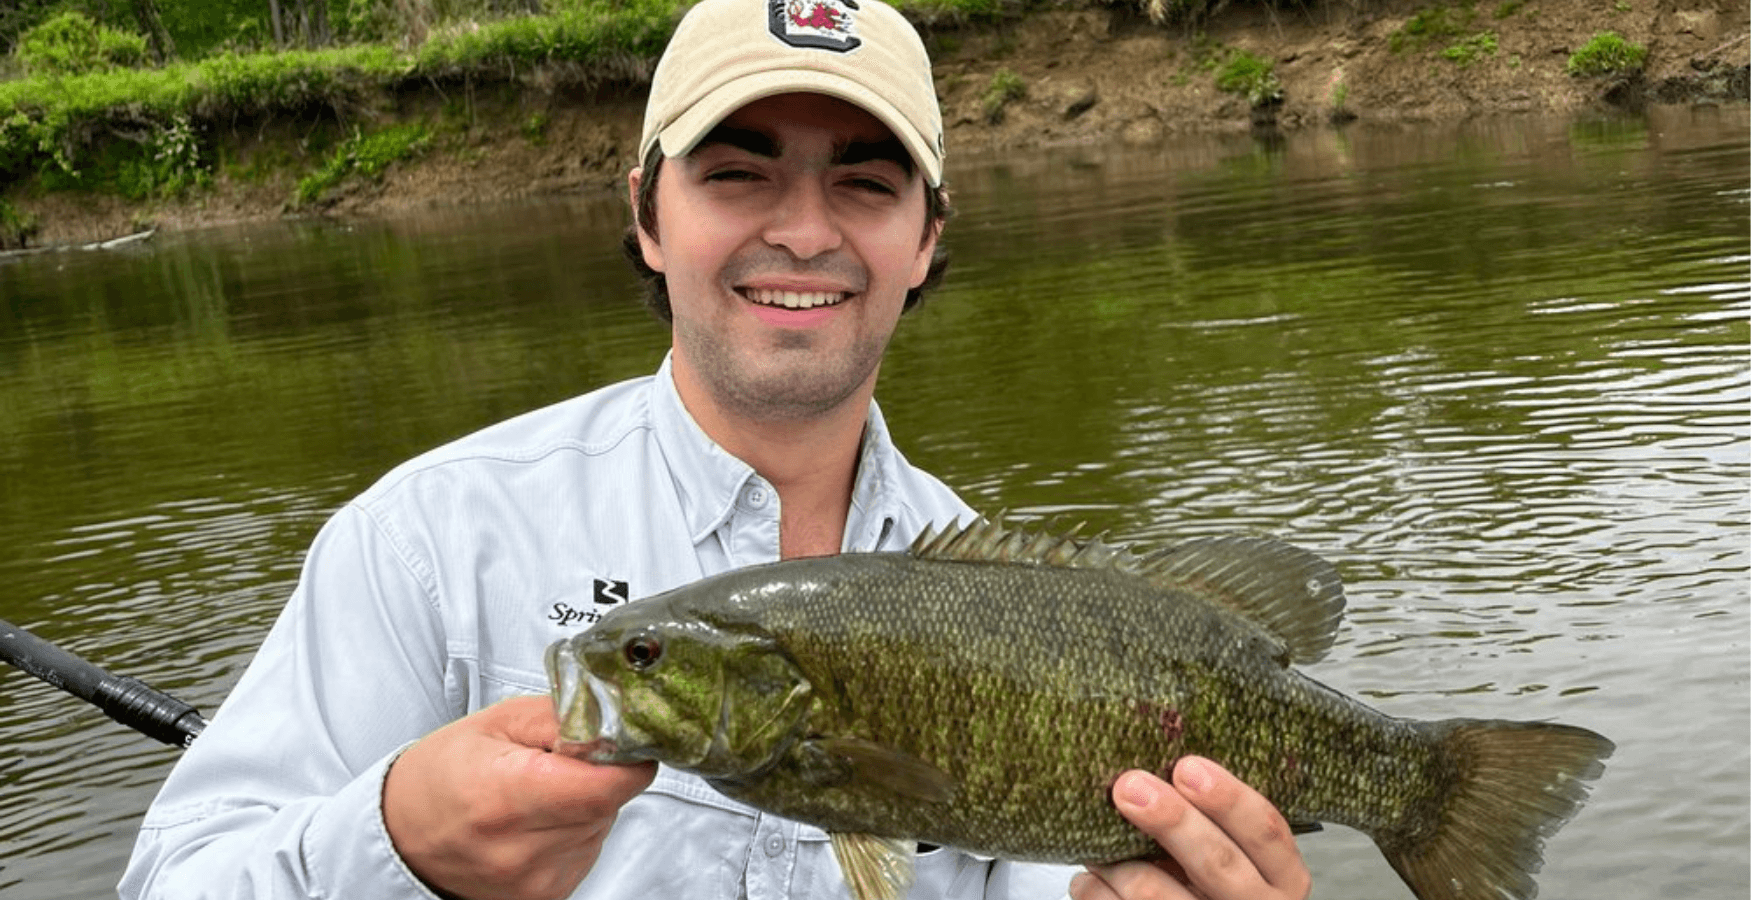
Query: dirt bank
(1085, 73)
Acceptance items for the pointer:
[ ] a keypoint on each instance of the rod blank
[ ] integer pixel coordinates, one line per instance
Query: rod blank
(126, 700)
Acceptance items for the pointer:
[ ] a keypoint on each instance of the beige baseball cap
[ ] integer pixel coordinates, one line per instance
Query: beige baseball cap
(728, 53)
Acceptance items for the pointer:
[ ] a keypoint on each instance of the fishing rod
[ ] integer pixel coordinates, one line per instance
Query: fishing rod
(157, 715)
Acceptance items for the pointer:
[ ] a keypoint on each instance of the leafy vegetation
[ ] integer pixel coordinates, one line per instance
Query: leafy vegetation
(1249, 76)
(71, 44)
(1430, 26)
(135, 131)
(365, 155)
(1005, 87)
(1473, 49)
(1606, 53)
(17, 227)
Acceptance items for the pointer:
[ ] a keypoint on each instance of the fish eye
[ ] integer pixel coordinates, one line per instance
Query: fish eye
(642, 651)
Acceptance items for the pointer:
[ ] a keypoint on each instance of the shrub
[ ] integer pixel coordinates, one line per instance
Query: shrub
(130, 129)
(1606, 53)
(366, 155)
(71, 44)
(16, 226)
(1249, 76)
(1429, 26)
(1468, 52)
(1005, 87)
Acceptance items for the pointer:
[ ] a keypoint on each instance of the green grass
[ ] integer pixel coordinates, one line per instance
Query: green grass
(1005, 87)
(1606, 53)
(62, 125)
(1249, 76)
(1472, 50)
(1430, 26)
(366, 156)
(17, 227)
(71, 44)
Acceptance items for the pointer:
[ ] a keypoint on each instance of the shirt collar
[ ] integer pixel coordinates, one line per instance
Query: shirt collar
(709, 479)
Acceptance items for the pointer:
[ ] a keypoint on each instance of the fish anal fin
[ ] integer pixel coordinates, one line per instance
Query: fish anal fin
(875, 868)
(891, 769)
(1292, 594)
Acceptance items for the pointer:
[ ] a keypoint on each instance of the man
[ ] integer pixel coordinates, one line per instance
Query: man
(382, 744)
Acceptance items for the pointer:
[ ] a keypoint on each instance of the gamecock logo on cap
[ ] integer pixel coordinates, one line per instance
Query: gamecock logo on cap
(822, 24)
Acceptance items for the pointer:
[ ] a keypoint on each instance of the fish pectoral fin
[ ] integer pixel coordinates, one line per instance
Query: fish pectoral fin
(875, 868)
(889, 768)
(1311, 827)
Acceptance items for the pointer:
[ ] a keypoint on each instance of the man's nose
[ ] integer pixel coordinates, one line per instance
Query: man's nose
(803, 222)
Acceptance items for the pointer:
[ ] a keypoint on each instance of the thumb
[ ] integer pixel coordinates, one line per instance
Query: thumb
(528, 721)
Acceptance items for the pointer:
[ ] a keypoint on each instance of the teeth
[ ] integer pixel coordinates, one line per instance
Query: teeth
(795, 299)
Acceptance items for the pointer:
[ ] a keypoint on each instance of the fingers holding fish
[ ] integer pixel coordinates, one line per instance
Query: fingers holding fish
(563, 790)
(481, 808)
(1134, 880)
(1248, 819)
(865, 694)
(1161, 879)
(1226, 841)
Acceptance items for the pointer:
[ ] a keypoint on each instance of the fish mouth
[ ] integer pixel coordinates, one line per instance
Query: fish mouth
(588, 708)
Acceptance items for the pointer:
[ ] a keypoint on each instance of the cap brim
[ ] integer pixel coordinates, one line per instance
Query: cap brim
(681, 135)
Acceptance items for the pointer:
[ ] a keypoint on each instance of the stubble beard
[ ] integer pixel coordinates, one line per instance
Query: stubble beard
(791, 380)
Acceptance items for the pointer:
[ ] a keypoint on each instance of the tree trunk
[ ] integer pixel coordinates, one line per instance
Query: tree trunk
(274, 24)
(301, 24)
(320, 22)
(154, 28)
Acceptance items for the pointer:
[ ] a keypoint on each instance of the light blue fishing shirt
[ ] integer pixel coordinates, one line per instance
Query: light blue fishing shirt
(434, 594)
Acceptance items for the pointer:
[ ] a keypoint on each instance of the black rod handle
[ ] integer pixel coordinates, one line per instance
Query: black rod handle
(154, 714)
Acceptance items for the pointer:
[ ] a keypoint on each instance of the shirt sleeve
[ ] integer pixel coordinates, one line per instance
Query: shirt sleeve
(280, 797)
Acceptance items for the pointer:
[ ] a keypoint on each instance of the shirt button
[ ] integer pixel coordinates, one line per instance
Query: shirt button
(775, 845)
(756, 497)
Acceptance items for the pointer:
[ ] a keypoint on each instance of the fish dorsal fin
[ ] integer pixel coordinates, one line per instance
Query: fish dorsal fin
(990, 540)
(1290, 592)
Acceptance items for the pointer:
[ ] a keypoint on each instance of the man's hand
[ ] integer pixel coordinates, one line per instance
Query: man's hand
(1226, 842)
(481, 809)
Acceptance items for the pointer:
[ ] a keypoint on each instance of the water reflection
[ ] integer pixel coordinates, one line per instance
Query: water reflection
(1498, 373)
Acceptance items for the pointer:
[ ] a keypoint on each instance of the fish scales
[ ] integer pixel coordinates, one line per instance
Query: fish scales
(1042, 704)
(985, 690)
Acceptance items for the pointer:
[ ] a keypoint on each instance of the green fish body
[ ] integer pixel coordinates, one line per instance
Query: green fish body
(985, 690)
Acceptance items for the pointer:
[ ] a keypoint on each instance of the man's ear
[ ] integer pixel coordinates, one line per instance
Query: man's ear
(923, 260)
(649, 249)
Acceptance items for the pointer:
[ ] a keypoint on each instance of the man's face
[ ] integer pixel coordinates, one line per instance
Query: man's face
(788, 239)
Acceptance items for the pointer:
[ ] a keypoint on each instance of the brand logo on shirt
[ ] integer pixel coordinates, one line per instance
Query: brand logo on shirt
(605, 595)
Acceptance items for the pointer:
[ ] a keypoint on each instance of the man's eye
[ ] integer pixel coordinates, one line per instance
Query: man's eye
(871, 184)
(732, 175)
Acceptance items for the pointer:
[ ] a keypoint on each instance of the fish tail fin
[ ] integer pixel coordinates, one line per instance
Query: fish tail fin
(1515, 783)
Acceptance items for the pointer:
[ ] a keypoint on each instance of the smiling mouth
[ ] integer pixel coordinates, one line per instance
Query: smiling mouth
(793, 299)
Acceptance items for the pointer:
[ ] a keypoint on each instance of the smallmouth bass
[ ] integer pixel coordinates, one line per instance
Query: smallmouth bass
(985, 689)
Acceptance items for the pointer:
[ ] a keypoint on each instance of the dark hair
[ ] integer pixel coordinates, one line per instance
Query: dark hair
(938, 210)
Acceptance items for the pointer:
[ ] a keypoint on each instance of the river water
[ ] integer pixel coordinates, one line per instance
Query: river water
(1498, 373)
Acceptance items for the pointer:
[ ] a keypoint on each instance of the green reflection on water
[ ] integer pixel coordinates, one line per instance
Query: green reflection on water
(1498, 373)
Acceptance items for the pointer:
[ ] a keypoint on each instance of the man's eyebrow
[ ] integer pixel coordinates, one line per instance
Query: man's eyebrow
(888, 149)
(746, 139)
